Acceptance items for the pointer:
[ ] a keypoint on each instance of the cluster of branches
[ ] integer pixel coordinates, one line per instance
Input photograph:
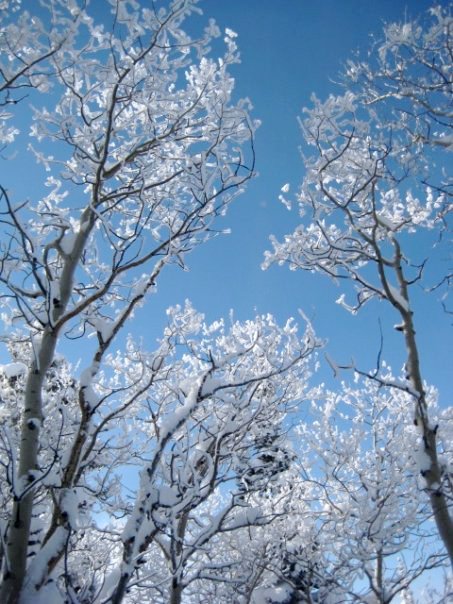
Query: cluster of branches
(379, 172)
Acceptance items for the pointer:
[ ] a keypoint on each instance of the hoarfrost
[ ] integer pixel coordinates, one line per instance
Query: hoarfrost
(13, 370)
(422, 459)
(67, 242)
(398, 298)
(271, 595)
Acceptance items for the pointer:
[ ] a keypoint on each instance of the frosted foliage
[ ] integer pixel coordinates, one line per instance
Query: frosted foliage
(371, 180)
(121, 466)
(230, 388)
(360, 452)
(133, 473)
(147, 150)
(375, 209)
(278, 556)
(198, 419)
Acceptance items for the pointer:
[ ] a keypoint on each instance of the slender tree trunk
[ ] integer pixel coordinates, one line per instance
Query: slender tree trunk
(176, 592)
(379, 576)
(432, 474)
(19, 531)
(176, 585)
(18, 534)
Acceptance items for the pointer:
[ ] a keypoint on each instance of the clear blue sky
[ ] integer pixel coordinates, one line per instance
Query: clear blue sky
(289, 49)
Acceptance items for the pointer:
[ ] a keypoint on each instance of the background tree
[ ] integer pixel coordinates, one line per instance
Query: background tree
(195, 475)
(377, 178)
(360, 454)
(183, 418)
(272, 561)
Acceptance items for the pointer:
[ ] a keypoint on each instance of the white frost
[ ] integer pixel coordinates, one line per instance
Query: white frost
(422, 459)
(67, 242)
(271, 595)
(103, 326)
(170, 424)
(385, 222)
(168, 496)
(398, 298)
(71, 505)
(13, 369)
(141, 286)
(230, 33)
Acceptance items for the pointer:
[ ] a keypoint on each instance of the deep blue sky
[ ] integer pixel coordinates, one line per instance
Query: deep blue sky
(289, 49)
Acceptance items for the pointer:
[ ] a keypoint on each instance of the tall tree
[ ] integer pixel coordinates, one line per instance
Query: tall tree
(144, 148)
(378, 176)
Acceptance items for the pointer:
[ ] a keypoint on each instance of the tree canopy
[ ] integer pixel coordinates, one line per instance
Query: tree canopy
(211, 466)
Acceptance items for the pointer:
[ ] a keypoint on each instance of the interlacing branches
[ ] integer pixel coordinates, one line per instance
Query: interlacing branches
(369, 183)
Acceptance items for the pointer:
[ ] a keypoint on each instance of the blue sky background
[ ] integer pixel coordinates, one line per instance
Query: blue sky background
(289, 49)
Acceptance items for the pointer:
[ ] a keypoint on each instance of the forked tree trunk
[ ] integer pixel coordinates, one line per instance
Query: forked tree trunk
(18, 533)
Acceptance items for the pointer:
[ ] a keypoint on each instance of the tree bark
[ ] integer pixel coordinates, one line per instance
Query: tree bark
(433, 474)
(19, 530)
(18, 534)
(176, 592)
